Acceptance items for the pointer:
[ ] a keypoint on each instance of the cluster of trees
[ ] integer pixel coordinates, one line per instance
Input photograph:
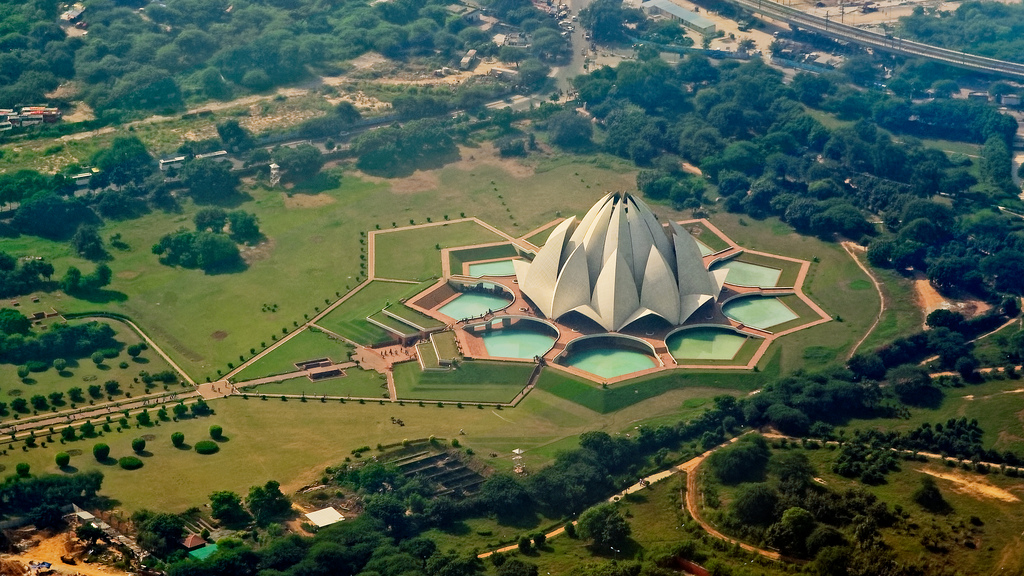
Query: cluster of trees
(752, 136)
(40, 498)
(264, 504)
(21, 277)
(212, 246)
(957, 438)
(992, 30)
(59, 341)
(397, 146)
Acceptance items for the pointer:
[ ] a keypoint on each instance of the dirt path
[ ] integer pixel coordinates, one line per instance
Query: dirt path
(971, 487)
(149, 342)
(51, 549)
(850, 248)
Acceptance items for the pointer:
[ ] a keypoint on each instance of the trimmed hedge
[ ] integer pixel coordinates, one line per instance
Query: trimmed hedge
(207, 447)
(62, 459)
(101, 452)
(130, 463)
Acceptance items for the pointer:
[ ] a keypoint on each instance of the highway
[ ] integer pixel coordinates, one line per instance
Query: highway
(881, 42)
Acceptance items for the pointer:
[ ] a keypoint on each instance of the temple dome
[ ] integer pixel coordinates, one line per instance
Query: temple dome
(617, 265)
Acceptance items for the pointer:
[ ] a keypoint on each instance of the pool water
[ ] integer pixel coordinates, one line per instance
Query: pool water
(499, 268)
(747, 274)
(705, 344)
(473, 305)
(609, 362)
(705, 250)
(759, 311)
(517, 343)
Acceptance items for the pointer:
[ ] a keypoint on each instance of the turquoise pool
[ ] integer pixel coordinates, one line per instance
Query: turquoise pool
(759, 311)
(747, 274)
(705, 344)
(473, 305)
(499, 268)
(516, 342)
(609, 361)
(705, 250)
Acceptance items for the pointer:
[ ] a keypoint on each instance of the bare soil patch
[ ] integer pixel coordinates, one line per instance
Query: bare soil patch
(929, 300)
(972, 486)
(52, 548)
(127, 274)
(219, 335)
(418, 181)
(307, 200)
(258, 252)
(486, 153)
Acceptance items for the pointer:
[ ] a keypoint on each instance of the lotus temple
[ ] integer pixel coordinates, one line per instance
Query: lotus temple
(614, 295)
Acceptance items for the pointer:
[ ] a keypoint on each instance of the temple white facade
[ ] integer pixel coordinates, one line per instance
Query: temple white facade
(617, 265)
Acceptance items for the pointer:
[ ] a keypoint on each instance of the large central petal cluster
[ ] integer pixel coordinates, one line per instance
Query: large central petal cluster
(617, 265)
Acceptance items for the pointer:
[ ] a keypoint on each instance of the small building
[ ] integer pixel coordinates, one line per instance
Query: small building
(193, 542)
(325, 517)
(217, 154)
(504, 73)
(82, 180)
(467, 61)
(677, 13)
(72, 14)
(171, 162)
(1010, 100)
(978, 96)
(204, 552)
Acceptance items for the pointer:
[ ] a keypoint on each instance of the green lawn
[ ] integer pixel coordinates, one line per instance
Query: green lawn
(472, 382)
(789, 270)
(447, 347)
(416, 254)
(414, 318)
(357, 383)
(82, 373)
(834, 282)
(349, 319)
(457, 258)
(902, 316)
(309, 344)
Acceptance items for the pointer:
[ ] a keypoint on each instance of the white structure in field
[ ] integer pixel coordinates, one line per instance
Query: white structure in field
(617, 265)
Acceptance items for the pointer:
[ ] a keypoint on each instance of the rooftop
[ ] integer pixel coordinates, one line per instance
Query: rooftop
(679, 12)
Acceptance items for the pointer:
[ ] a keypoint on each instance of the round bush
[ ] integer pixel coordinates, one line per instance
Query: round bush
(139, 444)
(130, 463)
(216, 432)
(22, 469)
(177, 439)
(207, 447)
(62, 459)
(101, 452)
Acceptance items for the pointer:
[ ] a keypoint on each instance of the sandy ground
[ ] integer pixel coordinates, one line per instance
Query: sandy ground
(307, 200)
(51, 549)
(424, 180)
(929, 300)
(972, 486)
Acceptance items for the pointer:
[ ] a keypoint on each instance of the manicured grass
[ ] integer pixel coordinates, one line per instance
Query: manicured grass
(471, 382)
(82, 373)
(356, 382)
(427, 355)
(394, 325)
(447, 347)
(830, 283)
(743, 355)
(706, 236)
(349, 319)
(309, 344)
(414, 318)
(790, 270)
(459, 257)
(605, 400)
(541, 238)
(415, 254)
(902, 316)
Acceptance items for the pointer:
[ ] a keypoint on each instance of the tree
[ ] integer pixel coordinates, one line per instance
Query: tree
(139, 445)
(127, 160)
(302, 161)
(209, 181)
(605, 526)
(606, 20)
(158, 533)
(211, 220)
(267, 502)
(22, 469)
(234, 136)
(59, 364)
(504, 495)
(227, 507)
(14, 322)
(570, 130)
(755, 504)
(517, 567)
(244, 227)
(72, 280)
(177, 439)
(929, 497)
(790, 533)
(62, 459)
(88, 533)
(101, 452)
(88, 244)
(525, 545)
(910, 383)
(216, 432)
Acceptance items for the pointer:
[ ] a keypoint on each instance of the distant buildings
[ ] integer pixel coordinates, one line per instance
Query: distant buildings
(28, 116)
(677, 13)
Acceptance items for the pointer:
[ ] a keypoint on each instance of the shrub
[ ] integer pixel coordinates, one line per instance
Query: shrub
(130, 463)
(216, 432)
(138, 445)
(101, 452)
(207, 447)
(22, 469)
(62, 459)
(177, 439)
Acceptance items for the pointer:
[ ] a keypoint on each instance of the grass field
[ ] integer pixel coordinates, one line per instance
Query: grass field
(309, 344)
(82, 373)
(447, 346)
(357, 383)
(789, 270)
(457, 258)
(416, 254)
(471, 382)
(414, 318)
(834, 282)
(613, 398)
(349, 319)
